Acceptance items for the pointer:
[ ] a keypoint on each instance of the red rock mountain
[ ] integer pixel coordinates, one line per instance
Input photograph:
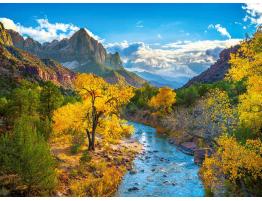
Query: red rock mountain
(80, 53)
(215, 72)
(17, 64)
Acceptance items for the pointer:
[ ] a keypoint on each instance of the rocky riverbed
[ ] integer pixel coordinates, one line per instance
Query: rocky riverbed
(161, 169)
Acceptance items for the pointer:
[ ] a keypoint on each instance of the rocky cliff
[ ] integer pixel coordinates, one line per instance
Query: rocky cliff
(17, 64)
(4, 36)
(217, 71)
(80, 53)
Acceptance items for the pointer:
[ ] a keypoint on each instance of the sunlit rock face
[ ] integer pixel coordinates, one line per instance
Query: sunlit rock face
(18, 64)
(80, 53)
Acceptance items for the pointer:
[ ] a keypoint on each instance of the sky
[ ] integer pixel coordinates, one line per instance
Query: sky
(169, 40)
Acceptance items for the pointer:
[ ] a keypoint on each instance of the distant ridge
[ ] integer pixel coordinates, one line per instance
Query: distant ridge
(217, 71)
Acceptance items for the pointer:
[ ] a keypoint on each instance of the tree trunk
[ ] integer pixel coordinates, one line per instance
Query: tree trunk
(93, 140)
(89, 140)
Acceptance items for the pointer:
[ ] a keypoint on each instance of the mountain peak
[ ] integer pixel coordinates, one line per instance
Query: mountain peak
(81, 33)
(82, 53)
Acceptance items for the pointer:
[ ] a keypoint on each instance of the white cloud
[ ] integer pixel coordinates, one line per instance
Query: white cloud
(253, 13)
(178, 59)
(8, 24)
(222, 30)
(159, 36)
(44, 31)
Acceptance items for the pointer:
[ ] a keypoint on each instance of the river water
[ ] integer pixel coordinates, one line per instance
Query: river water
(162, 170)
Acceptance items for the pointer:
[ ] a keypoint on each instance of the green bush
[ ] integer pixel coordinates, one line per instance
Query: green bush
(77, 141)
(85, 157)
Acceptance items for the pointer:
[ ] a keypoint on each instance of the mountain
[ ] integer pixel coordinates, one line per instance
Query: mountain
(17, 64)
(217, 71)
(80, 53)
(160, 81)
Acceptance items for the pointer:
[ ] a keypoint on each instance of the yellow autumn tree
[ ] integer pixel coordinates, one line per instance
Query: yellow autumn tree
(246, 64)
(240, 163)
(164, 99)
(234, 162)
(213, 116)
(98, 111)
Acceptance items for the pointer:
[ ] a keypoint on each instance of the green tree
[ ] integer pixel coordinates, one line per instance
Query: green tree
(26, 154)
(51, 98)
(24, 100)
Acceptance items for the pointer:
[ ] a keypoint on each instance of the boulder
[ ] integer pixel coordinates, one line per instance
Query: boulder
(199, 155)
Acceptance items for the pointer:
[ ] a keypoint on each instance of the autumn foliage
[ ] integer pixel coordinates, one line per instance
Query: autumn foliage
(238, 162)
(164, 99)
(98, 112)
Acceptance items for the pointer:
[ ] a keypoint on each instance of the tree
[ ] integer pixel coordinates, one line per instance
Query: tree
(213, 116)
(250, 104)
(25, 153)
(163, 101)
(51, 98)
(101, 101)
(238, 164)
(246, 65)
(24, 100)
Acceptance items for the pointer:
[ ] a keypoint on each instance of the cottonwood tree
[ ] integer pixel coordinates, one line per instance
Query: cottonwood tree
(164, 99)
(246, 64)
(213, 116)
(100, 107)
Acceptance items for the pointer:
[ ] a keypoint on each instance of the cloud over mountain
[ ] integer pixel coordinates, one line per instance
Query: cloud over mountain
(45, 31)
(178, 59)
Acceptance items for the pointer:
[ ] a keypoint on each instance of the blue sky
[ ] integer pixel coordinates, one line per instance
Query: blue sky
(172, 41)
(150, 23)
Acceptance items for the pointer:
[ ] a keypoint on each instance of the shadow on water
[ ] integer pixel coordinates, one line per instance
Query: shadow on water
(161, 170)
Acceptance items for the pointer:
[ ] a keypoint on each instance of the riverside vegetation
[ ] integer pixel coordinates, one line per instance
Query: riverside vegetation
(58, 141)
(224, 118)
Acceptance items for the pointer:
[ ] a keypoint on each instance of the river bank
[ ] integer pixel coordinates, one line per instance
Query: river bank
(102, 168)
(186, 144)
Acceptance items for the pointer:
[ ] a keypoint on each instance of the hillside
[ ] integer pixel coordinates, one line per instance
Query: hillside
(217, 71)
(17, 64)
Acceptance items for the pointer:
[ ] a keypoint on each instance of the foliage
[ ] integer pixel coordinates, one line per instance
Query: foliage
(85, 157)
(250, 107)
(246, 65)
(103, 181)
(237, 163)
(51, 98)
(24, 100)
(77, 141)
(163, 101)
(141, 98)
(3, 105)
(188, 96)
(214, 115)
(25, 153)
(99, 108)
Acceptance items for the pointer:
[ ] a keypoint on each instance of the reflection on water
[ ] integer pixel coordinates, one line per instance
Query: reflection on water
(161, 170)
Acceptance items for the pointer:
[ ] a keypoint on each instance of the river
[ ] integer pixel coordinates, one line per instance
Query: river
(161, 170)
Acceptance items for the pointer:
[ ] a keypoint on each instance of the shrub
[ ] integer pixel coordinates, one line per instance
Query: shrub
(85, 157)
(78, 140)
